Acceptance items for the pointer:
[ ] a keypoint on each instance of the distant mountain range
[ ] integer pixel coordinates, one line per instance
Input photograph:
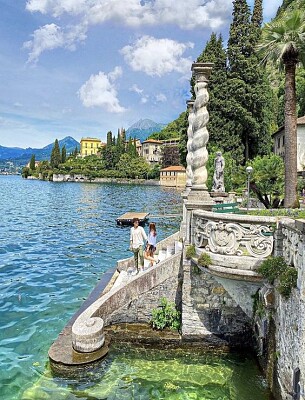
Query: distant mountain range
(143, 128)
(22, 156)
(140, 130)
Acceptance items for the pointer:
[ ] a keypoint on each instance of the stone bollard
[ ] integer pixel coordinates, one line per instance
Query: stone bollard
(88, 336)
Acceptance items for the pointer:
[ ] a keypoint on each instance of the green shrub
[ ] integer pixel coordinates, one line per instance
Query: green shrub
(166, 316)
(204, 260)
(190, 252)
(288, 280)
(276, 267)
(272, 268)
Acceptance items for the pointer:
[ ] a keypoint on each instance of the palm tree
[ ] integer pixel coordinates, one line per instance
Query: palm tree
(283, 43)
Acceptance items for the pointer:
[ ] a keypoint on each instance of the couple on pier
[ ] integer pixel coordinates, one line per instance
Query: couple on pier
(137, 239)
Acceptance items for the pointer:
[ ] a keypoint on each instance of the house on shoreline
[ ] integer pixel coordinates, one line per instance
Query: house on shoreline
(279, 143)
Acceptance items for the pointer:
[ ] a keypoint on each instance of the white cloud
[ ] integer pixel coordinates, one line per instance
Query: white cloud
(160, 97)
(100, 91)
(58, 7)
(144, 99)
(189, 14)
(140, 92)
(136, 89)
(157, 56)
(51, 36)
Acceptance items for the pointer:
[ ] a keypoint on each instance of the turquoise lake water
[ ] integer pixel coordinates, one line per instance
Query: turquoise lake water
(56, 241)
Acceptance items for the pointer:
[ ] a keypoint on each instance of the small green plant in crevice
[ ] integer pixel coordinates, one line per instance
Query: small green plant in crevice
(166, 316)
(272, 268)
(196, 269)
(276, 267)
(204, 260)
(287, 281)
(258, 306)
(190, 252)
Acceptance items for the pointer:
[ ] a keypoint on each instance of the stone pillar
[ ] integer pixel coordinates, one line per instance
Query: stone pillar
(189, 157)
(189, 160)
(200, 139)
(198, 196)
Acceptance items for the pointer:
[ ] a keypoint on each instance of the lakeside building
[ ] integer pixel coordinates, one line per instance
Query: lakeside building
(90, 146)
(29, 163)
(138, 146)
(151, 151)
(279, 143)
(171, 142)
(173, 176)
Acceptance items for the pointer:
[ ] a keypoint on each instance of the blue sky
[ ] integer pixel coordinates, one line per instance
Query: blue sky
(83, 67)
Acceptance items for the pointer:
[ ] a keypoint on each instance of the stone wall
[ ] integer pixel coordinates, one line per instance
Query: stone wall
(131, 301)
(84, 178)
(140, 309)
(209, 313)
(282, 332)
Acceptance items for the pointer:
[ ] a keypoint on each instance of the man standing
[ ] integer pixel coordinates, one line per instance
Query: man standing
(137, 238)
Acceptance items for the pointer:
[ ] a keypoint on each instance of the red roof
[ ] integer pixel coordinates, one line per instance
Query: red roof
(177, 168)
(152, 141)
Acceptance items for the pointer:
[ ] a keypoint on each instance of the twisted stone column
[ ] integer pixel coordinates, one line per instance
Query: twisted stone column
(200, 119)
(189, 157)
(189, 161)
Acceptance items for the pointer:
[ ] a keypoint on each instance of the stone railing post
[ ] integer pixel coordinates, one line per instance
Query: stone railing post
(200, 138)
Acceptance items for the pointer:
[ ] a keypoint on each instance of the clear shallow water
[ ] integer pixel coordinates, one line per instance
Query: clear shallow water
(56, 241)
(140, 374)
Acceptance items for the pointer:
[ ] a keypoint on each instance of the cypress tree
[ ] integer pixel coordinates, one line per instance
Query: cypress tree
(131, 148)
(55, 155)
(109, 138)
(249, 93)
(221, 124)
(32, 163)
(63, 154)
(257, 15)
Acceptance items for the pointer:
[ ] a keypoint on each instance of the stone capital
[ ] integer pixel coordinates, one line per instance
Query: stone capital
(189, 104)
(202, 71)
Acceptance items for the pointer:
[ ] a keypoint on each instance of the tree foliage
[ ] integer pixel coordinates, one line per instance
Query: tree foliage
(170, 156)
(267, 180)
(249, 93)
(241, 105)
(32, 163)
(63, 154)
(283, 44)
(55, 155)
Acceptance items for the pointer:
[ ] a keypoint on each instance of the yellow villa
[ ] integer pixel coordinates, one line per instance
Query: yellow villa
(173, 176)
(89, 146)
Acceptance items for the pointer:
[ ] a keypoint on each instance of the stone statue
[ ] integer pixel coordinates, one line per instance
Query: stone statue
(218, 178)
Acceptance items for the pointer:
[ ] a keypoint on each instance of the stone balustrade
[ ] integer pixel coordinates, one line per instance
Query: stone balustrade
(233, 235)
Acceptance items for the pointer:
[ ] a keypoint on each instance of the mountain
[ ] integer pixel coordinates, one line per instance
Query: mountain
(22, 156)
(143, 128)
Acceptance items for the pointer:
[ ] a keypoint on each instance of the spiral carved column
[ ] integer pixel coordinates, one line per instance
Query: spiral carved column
(189, 157)
(200, 138)
(189, 172)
